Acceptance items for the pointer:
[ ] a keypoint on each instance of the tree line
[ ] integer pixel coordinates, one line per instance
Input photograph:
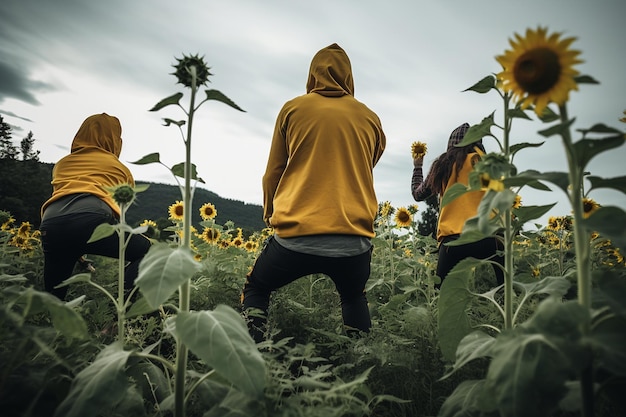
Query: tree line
(25, 186)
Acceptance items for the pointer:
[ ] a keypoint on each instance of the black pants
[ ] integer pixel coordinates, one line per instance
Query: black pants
(278, 266)
(449, 256)
(64, 240)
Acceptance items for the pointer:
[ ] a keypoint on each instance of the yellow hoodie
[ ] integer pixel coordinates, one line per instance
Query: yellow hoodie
(93, 162)
(319, 176)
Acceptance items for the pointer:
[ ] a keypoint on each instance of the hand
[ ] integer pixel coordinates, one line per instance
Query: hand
(418, 162)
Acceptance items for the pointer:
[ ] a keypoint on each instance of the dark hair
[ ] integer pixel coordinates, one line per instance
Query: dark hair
(441, 169)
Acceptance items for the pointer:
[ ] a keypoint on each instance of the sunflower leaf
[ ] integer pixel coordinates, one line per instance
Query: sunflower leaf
(585, 79)
(217, 95)
(484, 85)
(178, 123)
(173, 99)
(477, 132)
(616, 183)
(179, 171)
(586, 149)
(557, 129)
(148, 159)
(518, 112)
(610, 222)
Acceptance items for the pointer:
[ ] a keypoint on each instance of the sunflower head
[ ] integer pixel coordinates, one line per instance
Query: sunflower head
(403, 217)
(589, 206)
(123, 194)
(418, 149)
(208, 211)
(176, 211)
(183, 70)
(211, 235)
(539, 69)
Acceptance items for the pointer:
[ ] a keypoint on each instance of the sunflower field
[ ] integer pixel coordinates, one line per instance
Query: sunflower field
(548, 342)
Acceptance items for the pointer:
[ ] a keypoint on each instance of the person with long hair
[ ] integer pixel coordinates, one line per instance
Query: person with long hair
(454, 166)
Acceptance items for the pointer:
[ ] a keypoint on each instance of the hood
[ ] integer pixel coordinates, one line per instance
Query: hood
(99, 131)
(330, 73)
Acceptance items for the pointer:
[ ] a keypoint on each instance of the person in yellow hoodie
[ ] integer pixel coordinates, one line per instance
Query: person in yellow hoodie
(80, 202)
(319, 193)
(454, 166)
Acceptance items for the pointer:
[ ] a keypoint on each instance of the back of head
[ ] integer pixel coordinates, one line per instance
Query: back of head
(457, 135)
(99, 131)
(330, 73)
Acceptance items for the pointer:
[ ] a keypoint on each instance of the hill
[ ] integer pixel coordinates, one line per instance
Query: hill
(25, 185)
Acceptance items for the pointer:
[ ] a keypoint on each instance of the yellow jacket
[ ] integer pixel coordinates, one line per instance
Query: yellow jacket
(319, 176)
(93, 162)
(453, 216)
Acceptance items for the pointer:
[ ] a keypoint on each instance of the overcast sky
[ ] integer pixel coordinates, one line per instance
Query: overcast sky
(63, 60)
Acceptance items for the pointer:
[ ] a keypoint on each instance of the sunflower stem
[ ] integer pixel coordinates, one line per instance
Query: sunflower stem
(121, 305)
(184, 290)
(583, 256)
(508, 230)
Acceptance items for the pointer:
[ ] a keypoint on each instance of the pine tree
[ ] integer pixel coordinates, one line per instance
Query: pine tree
(7, 148)
(27, 147)
(427, 226)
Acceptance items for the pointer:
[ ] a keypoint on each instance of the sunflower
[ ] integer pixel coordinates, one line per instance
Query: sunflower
(24, 229)
(403, 217)
(517, 203)
(250, 246)
(237, 242)
(538, 69)
(386, 209)
(176, 211)
(208, 211)
(210, 235)
(589, 206)
(489, 183)
(418, 149)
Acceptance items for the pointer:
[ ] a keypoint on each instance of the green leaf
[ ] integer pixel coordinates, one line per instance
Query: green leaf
(101, 231)
(616, 183)
(585, 79)
(454, 298)
(140, 307)
(557, 129)
(532, 363)
(586, 149)
(493, 202)
(483, 86)
(216, 95)
(179, 171)
(560, 179)
(527, 213)
(601, 128)
(65, 318)
(140, 188)
(517, 113)
(548, 115)
(98, 387)
(464, 400)
(610, 222)
(475, 345)
(519, 146)
(162, 270)
(477, 132)
(168, 122)
(221, 339)
(173, 99)
(453, 192)
(148, 159)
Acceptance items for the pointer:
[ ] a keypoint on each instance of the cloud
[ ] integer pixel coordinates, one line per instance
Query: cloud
(16, 83)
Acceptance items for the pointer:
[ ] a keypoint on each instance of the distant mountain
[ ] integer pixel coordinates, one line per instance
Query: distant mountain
(153, 204)
(25, 185)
